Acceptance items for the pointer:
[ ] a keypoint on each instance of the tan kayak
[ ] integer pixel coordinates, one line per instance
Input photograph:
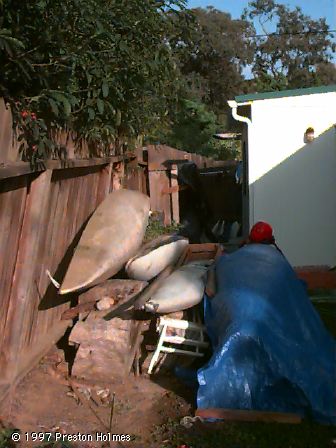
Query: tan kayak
(112, 236)
(155, 256)
(183, 289)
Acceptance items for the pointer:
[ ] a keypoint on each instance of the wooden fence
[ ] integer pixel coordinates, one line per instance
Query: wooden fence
(42, 212)
(163, 164)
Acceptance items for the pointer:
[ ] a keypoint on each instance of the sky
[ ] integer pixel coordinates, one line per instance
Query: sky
(313, 8)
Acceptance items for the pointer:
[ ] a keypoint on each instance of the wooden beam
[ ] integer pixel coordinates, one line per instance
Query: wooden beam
(248, 416)
(119, 290)
(8, 170)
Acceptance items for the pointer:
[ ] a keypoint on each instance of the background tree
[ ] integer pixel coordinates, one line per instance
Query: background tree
(211, 51)
(99, 67)
(297, 54)
(213, 57)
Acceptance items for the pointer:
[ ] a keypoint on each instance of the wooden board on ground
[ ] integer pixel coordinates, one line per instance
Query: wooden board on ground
(248, 416)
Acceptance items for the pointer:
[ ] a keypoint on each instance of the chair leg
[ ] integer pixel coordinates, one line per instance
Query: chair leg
(157, 350)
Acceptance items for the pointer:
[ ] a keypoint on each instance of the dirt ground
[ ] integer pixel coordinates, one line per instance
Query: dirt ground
(42, 403)
(148, 410)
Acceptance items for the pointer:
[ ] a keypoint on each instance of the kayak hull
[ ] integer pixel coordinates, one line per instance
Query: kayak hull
(155, 257)
(183, 289)
(112, 236)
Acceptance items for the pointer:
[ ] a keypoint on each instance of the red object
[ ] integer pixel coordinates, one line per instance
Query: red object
(24, 114)
(261, 232)
(33, 116)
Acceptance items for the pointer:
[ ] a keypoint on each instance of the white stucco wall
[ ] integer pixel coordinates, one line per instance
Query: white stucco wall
(293, 184)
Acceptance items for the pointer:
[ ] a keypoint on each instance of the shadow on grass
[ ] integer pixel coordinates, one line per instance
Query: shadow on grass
(248, 435)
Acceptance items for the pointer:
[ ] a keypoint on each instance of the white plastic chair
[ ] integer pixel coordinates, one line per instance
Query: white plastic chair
(163, 325)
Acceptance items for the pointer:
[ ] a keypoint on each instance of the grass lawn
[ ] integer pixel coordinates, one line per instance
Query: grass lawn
(245, 435)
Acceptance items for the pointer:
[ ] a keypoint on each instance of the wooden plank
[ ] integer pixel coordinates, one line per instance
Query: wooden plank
(30, 320)
(166, 200)
(204, 247)
(158, 181)
(104, 185)
(175, 195)
(248, 416)
(12, 206)
(33, 221)
(45, 257)
(136, 339)
(119, 290)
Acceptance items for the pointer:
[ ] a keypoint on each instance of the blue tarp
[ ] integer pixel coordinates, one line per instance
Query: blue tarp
(271, 350)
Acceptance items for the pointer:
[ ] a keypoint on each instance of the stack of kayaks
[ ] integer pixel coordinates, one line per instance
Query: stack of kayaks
(112, 240)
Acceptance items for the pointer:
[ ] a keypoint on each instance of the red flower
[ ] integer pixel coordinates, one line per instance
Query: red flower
(24, 114)
(33, 116)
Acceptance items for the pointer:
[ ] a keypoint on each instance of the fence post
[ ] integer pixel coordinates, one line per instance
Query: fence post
(175, 195)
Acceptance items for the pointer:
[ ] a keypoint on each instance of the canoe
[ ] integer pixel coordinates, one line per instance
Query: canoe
(112, 236)
(183, 289)
(155, 256)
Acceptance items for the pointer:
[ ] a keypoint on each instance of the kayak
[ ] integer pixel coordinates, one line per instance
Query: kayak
(112, 236)
(183, 289)
(155, 256)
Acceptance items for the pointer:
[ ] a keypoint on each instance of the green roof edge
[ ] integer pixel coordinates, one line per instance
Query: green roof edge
(284, 93)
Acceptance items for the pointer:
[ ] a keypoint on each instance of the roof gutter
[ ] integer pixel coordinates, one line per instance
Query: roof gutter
(234, 106)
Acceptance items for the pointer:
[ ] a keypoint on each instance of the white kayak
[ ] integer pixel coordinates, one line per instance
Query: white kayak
(155, 256)
(112, 236)
(183, 289)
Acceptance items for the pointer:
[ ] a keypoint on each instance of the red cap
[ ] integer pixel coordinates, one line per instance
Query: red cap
(261, 231)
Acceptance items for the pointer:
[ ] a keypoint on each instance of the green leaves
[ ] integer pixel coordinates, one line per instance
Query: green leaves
(293, 49)
(62, 98)
(105, 89)
(106, 71)
(54, 107)
(100, 106)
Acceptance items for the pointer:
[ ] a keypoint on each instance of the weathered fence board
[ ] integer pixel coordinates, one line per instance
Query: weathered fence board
(42, 213)
(26, 261)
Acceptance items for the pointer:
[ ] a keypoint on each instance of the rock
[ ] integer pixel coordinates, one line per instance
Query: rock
(105, 303)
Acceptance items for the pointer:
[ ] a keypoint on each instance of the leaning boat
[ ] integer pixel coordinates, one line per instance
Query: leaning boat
(112, 236)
